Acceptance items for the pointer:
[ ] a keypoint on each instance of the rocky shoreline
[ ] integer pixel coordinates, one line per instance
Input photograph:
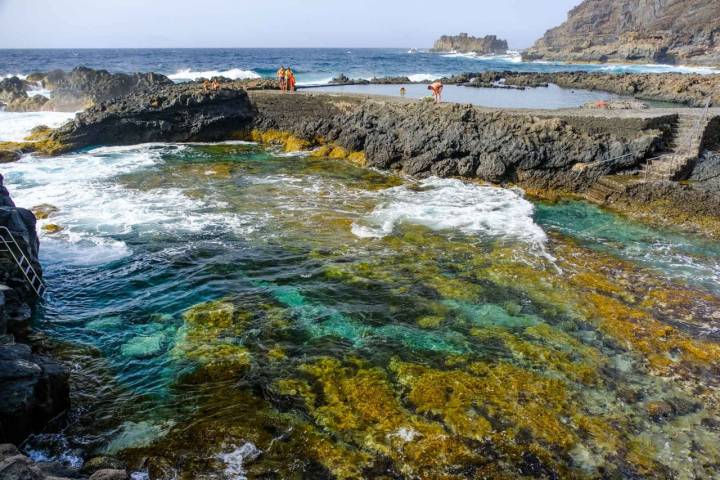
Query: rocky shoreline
(683, 89)
(554, 150)
(34, 386)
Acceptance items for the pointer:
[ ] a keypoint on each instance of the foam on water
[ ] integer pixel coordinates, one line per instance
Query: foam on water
(15, 126)
(233, 73)
(450, 204)
(424, 77)
(38, 89)
(234, 461)
(93, 208)
(658, 68)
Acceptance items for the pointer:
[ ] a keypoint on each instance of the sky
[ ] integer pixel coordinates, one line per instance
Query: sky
(270, 23)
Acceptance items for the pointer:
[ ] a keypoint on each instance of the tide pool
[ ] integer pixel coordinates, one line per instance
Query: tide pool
(233, 311)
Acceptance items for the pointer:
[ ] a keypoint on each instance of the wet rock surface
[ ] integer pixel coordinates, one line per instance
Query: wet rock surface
(14, 96)
(172, 113)
(34, 388)
(82, 86)
(16, 466)
(666, 31)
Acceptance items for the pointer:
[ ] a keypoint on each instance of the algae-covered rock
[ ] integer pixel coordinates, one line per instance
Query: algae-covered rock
(211, 336)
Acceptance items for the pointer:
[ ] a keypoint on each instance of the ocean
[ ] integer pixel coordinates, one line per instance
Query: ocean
(312, 65)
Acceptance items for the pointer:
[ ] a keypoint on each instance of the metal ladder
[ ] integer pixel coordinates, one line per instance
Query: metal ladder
(10, 245)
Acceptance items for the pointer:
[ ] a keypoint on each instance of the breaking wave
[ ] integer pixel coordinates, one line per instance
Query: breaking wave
(233, 73)
(450, 204)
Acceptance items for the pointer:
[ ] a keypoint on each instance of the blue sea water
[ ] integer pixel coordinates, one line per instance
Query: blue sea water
(312, 65)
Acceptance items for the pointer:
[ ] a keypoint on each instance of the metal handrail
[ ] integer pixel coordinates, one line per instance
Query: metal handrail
(697, 134)
(32, 277)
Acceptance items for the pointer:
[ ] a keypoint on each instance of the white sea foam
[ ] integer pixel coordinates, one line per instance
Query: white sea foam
(38, 89)
(322, 81)
(15, 126)
(658, 68)
(235, 460)
(10, 75)
(424, 77)
(233, 73)
(509, 57)
(93, 208)
(450, 204)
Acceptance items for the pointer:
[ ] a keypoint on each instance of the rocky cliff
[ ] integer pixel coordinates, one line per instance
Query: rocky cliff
(34, 388)
(465, 43)
(662, 31)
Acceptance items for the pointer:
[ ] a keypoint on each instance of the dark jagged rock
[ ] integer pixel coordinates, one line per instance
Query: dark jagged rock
(14, 96)
(465, 43)
(12, 89)
(82, 86)
(16, 466)
(706, 174)
(172, 113)
(450, 140)
(663, 31)
(34, 388)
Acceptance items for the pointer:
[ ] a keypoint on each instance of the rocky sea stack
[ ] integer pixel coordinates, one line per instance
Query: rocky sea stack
(659, 31)
(465, 43)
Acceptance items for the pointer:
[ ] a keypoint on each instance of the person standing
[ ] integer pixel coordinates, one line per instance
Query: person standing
(437, 88)
(281, 77)
(289, 80)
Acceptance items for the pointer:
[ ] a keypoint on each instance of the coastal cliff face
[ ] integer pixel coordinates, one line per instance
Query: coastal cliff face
(662, 31)
(465, 43)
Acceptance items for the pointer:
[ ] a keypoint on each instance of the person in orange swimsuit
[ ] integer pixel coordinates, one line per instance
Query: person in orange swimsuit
(291, 80)
(437, 88)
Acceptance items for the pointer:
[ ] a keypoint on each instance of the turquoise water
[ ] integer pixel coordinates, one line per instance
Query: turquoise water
(229, 309)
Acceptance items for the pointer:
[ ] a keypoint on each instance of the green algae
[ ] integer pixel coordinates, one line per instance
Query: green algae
(423, 354)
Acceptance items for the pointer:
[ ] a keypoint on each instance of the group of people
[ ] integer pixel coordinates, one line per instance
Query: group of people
(286, 78)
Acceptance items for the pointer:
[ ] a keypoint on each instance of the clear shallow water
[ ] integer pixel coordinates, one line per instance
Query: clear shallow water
(546, 97)
(312, 65)
(242, 311)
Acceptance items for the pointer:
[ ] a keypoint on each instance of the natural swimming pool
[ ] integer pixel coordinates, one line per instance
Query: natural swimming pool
(239, 311)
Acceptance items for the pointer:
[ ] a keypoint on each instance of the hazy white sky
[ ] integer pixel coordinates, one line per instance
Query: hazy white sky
(270, 23)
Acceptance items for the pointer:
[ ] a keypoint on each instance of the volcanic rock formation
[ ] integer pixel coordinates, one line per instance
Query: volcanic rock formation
(465, 43)
(662, 31)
